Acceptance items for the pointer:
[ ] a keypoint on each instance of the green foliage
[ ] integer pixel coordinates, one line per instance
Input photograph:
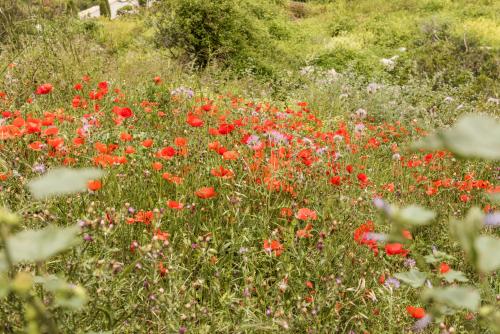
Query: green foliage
(39, 245)
(453, 297)
(487, 249)
(62, 181)
(454, 276)
(104, 8)
(239, 34)
(205, 30)
(414, 278)
(472, 136)
(414, 215)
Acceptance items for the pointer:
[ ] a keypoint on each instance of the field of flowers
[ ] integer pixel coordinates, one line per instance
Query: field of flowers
(227, 214)
(139, 197)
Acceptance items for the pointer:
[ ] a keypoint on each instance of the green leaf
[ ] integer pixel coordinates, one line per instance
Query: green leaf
(455, 297)
(38, 245)
(474, 136)
(61, 181)
(66, 295)
(453, 275)
(430, 143)
(468, 230)
(488, 253)
(438, 256)
(414, 277)
(415, 215)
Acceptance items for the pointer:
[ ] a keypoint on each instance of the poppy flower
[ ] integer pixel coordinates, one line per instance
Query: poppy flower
(225, 129)
(103, 85)
(157, 80)
(167, 152)
(175, 205)
(129, 150)
(125, 137)
(180, 141)
(230, 155)
(335, 180)
(94, 185)
(125, 112)
(163, 270)
(44, 89)
(194, 121)
(273, 246)
(36, 146)
(416, 312)
(222, 172)
(286, 212)
(306, 214)
(361, 236)
(362, 178)
(395, 249)
(305, 232)
(157, 165)
(161, 235)
(206, 192)
(444, 268)
(147, 143)
(407, 235)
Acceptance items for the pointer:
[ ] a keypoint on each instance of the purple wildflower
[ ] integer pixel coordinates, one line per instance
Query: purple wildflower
(392, 282)
(492, 219)
(39, 168)
(421, 324)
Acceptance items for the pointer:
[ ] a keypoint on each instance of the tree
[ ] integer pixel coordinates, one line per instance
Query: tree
(104, 8)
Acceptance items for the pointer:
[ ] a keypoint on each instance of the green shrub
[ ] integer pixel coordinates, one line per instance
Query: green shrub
(105, 8)
(205, 30)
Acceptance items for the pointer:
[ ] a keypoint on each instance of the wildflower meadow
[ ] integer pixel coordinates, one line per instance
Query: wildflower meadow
(250, 167)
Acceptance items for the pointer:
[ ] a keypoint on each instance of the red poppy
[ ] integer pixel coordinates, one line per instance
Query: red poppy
(125, 112)
(306, 214)
(222, 172)
(194, 121)
(286, 212)
(147, 143)
(362, 178)
(225, 129)
(395, 249)
(167, 152)
(444, 268)
(335, 180)
(44, 89)
(305, 232)
(206, 192)
(416, 312)
(125, 136)
(175, 205)
(157, 165)
(94, 185)
(273, 246)
(160, 235)
(230, 155)
(180, 141)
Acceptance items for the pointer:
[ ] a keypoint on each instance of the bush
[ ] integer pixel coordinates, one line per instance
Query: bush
(105, 8)
(204, 31)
